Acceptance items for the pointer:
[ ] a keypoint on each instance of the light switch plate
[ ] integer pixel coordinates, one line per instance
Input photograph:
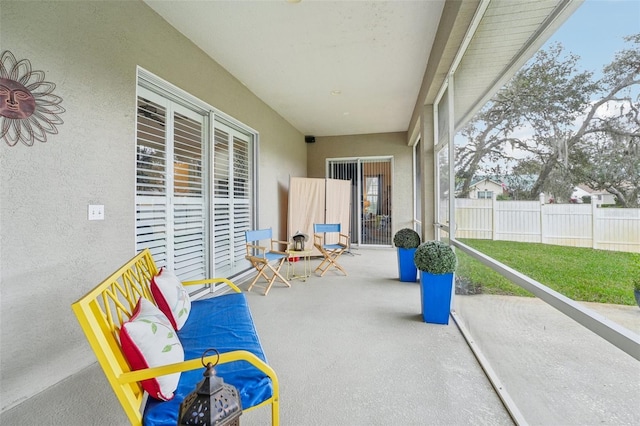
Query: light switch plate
(96, 212)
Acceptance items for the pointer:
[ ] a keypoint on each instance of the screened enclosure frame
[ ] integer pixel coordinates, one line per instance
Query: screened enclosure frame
(442, 124)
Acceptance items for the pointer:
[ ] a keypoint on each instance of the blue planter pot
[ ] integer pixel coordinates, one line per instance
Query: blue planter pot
(435, 296)
(406, 268)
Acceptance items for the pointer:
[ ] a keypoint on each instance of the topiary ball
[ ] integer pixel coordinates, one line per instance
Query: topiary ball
(406, 238)
(435, 257)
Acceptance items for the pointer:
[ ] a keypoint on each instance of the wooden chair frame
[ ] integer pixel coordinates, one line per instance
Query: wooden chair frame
(330, 251)
(261, 257)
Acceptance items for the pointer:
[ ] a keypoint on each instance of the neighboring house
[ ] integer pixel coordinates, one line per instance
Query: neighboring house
(578, 193)
(603, 197)
(486, 188)
(597, 196)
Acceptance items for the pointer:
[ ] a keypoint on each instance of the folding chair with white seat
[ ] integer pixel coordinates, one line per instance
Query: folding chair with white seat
(331, 250)
(261, 257)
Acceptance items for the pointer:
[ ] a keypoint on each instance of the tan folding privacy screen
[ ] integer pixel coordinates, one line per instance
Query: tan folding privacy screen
(315, 200)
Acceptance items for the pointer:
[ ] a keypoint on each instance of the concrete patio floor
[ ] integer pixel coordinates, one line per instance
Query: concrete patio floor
(353, 351)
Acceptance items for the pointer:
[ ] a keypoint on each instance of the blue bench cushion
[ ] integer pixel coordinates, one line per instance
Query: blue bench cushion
(223, 323)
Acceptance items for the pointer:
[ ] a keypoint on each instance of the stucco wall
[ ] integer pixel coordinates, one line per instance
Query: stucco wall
(50, 254)
(382, 144)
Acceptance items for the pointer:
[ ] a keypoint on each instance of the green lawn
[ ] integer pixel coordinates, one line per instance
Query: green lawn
(579, 273)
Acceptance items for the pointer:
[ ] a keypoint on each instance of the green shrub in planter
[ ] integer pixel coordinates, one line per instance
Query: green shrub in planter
(435, 257)
(406, 238)
(437, 263)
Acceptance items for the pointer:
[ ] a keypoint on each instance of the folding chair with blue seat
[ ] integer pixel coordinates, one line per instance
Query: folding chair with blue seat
(262, 256)
(330, 250)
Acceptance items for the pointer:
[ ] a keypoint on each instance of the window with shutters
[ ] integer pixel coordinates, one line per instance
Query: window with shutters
(194, 186)
(233, 196)
(170, 195)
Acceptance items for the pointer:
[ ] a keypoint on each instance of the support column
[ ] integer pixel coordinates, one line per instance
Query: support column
(427, 197)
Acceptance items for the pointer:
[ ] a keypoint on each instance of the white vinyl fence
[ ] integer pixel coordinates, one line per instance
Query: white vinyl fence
(578, 225)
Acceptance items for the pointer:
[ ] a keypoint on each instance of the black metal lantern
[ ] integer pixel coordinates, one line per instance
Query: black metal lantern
(298, 241)
(212, 402)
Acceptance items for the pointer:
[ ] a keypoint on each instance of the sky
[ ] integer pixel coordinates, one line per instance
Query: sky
(595, 31)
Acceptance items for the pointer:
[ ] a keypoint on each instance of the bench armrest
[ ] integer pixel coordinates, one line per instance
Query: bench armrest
(194, 364)
(213, 281)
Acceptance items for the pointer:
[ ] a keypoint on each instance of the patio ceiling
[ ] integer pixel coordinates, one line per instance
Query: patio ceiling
(356, 67)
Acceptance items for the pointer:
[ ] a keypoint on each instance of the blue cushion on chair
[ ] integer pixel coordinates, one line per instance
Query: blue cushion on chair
(273, 256)
(223, 323)
(332, 246)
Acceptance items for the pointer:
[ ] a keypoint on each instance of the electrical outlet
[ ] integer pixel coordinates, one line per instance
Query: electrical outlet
(96, 212)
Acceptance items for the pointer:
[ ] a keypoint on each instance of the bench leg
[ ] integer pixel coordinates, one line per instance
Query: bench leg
(275, 412)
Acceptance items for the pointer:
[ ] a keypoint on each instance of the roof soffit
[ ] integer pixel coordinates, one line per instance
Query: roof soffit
(508, 34)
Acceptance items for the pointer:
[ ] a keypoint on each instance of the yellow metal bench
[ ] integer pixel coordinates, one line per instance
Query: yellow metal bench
(102, 310)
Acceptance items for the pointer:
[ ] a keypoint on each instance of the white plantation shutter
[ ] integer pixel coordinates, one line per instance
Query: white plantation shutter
(233, 195)
(242, 196)
(151, 176)
(171, 215)
(189, 214)
(221, 202)
(195, 182)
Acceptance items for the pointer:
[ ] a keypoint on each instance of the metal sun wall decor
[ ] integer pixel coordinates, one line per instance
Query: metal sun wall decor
(28, 108)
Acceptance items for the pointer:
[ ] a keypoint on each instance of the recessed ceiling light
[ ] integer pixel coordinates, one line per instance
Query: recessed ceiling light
(336, 92)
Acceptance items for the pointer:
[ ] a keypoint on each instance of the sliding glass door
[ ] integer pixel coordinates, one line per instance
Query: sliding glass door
(371, 183)
(195, 183)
